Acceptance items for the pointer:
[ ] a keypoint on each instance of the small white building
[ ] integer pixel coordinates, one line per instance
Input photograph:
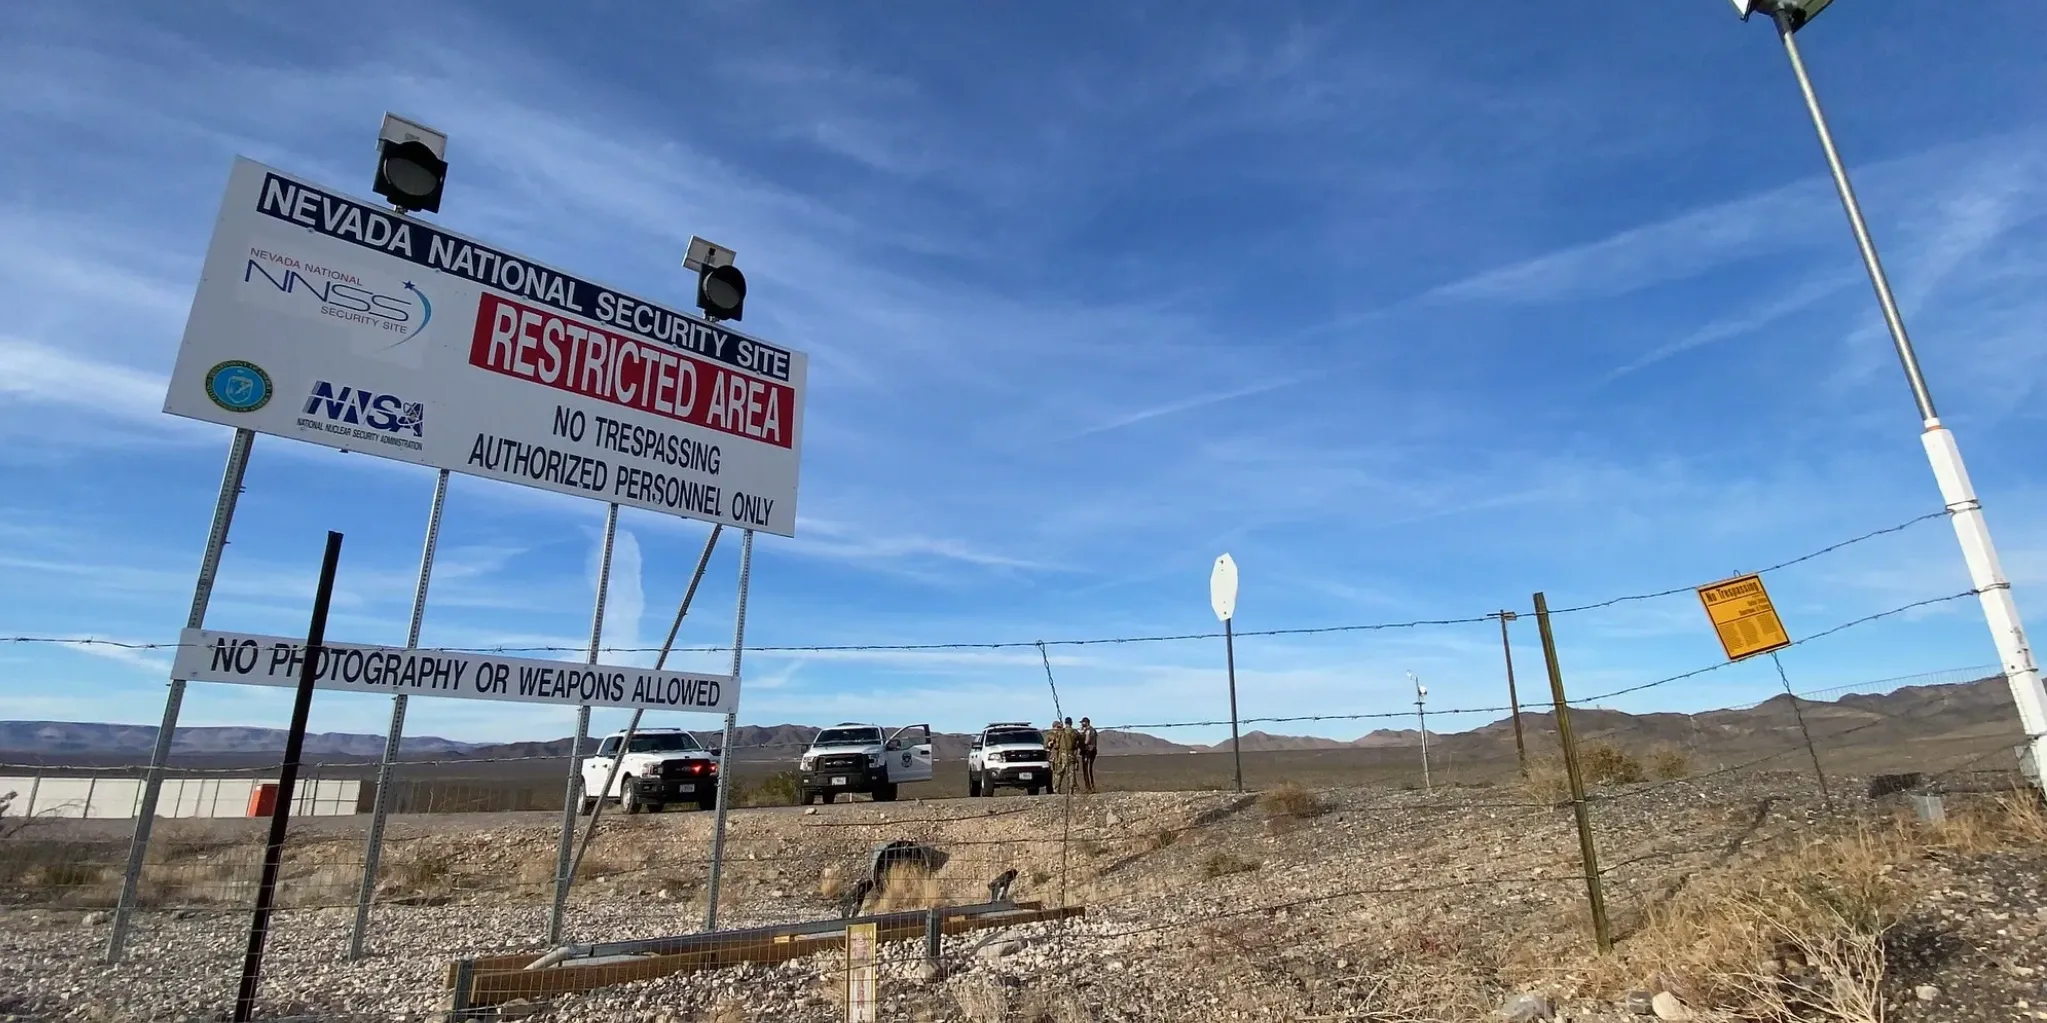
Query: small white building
(105, 797)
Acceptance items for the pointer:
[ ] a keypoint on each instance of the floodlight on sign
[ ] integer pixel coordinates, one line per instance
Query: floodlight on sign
(721, 292)
(411, 165)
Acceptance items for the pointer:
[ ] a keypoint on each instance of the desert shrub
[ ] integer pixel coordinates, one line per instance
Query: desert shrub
(1222, 863)
(1802, 935)
(1669, 762)
(1603, 763)
(1290, 801)
(783, 788)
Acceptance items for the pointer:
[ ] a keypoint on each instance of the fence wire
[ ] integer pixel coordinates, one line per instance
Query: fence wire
(1358, 885)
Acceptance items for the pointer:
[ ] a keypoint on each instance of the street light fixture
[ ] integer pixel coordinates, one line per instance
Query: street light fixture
(412, 164)
(721, 288)
(1986, 575)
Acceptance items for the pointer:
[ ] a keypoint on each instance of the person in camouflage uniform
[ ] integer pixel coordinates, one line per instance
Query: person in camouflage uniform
(1064, 746)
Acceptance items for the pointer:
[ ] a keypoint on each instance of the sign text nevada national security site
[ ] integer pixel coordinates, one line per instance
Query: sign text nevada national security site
(326, 319)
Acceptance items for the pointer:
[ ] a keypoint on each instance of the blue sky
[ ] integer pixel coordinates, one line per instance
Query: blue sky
(1412, 315)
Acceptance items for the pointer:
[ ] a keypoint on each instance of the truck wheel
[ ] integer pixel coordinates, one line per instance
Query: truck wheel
(657, 807)
(885, 793)
(589, 806)
(629, 797)
(708, 804)
(973, 784)
(809, 797)
(829, 797)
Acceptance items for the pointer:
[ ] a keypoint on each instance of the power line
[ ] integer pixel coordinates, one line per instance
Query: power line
(1039, 644)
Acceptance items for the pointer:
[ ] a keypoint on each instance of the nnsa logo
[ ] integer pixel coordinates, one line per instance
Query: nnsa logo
(356, 406)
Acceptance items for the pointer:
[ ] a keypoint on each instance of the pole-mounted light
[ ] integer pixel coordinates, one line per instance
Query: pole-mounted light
(412, 165)
(1796, 12)
(721, 288)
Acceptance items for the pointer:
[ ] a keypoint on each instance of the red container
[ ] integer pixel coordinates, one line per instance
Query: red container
(263, 799)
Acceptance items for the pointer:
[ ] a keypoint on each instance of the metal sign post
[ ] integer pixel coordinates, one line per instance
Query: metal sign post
(287, 780)
(160, 754)
(1222, 597)
(373, 851)
(566, 845)
(625, 746)
(725, 747)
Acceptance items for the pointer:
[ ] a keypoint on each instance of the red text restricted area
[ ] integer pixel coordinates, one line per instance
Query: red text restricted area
(568, 355)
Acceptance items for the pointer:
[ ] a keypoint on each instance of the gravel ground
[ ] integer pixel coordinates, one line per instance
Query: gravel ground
(1199, 906)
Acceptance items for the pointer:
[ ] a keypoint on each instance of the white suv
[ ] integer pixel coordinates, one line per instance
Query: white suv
(1008, 753)
(852, 757)
(664, 765)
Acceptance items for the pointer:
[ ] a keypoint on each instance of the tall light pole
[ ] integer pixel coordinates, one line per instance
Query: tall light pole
(1986, 576)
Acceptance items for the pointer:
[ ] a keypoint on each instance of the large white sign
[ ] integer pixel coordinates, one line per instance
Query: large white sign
(208, 656)
(332, 320)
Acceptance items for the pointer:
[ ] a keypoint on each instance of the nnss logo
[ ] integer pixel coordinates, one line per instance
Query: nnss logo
(356, 406)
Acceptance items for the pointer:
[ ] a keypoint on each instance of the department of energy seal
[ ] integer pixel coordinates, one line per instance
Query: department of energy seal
(238, 386)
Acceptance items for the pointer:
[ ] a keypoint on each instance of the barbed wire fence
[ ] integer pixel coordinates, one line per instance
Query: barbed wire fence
(1334, 888)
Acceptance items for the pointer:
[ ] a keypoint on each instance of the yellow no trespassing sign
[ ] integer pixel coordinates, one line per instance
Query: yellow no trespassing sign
(1742, 614)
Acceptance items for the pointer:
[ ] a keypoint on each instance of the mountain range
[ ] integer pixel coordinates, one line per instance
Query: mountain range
(1916, 711)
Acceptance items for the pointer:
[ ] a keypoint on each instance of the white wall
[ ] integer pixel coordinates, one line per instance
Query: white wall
(181, 797)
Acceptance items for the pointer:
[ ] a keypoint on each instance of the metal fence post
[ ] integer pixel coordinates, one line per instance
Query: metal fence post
(373, 851)
(160, 754)
(566, 846)
(1602, 933)
(725, 747)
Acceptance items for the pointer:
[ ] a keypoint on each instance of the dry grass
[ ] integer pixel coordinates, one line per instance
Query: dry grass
(1223, 863)
(1802, 935)
(1599, 763)
(908, 886)
(1290, 801)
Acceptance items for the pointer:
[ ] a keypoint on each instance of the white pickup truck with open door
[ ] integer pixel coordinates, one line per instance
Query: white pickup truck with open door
(854, 757)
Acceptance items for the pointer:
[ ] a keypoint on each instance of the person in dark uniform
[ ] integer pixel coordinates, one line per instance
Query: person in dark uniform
(1089, 741)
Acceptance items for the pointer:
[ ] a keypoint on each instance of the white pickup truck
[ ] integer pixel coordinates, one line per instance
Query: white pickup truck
(1008, 753)
(663, 766)
(852, 757)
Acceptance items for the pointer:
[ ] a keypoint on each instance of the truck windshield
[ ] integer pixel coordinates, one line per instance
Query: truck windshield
(668, 742)
(1015, 737)
(847, 736)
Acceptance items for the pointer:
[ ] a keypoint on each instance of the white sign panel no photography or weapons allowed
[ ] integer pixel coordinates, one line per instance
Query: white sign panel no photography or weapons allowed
(209, 656)
(328, 319)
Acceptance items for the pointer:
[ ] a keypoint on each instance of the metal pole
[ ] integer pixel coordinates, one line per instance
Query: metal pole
(725, 747)
(287, 777)
(1513, 697)
(568, 833)
(1421, 711)
(373, 851)
(1827, 798)
(1587, 853)
(202, 593)
(611, 776)
(1986, 574)
(1230, 656)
